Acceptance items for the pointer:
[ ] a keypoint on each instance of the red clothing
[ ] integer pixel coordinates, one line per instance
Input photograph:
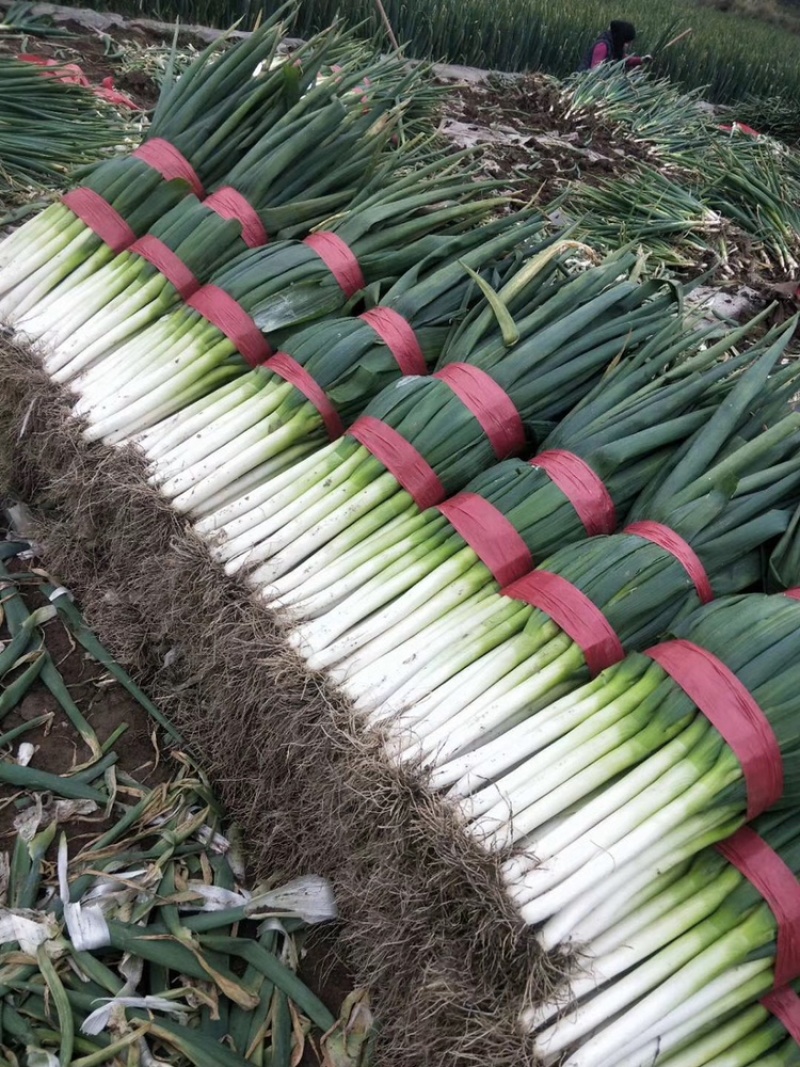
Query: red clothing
(601, 52)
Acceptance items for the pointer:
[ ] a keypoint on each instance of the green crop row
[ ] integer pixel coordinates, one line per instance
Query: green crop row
(729, 55)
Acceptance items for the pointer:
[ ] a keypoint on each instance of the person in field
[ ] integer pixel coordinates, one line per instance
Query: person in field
(611, 47)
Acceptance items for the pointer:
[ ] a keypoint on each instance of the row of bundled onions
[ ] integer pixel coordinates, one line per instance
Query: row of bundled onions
(536, 519)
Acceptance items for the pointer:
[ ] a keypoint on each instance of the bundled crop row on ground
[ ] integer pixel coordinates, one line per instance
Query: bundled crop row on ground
(506, 492)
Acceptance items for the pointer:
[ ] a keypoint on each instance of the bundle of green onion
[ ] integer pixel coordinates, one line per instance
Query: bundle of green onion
(308, 165)
(250, 306)
(674, 960)
(276, 407)
(546, 361)
(204, 122)
(73, 127)
(601, 456)
(635, 777)
(469, 674)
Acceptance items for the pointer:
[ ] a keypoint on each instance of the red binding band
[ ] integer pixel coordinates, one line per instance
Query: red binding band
(168, 263)
(494, 539)
(399, 337)
(170, 163)
(399, 456)
(732, 710)
(491, 406)
(793, 594)
(230, 317)
(778, 885)
(584, 489)
(784, 1004)
(683, 552)
(100, 217)
(229, 203)
(339, 260)
(574, 612)
(291, 371)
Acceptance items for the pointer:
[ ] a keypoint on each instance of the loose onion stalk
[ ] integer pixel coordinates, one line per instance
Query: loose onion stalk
(651, 971)
(346, 358)
(456, 675)
(281, 287)
(623, 431)
(555, 362)
(212, 114)
(308, 165)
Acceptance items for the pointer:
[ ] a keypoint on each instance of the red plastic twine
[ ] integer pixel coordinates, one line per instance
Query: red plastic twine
(170, 163)
(229, 203)
(733, 711)
(779, 887)
(230, 317)
(574, 612)
(101, 218)
(492, 407)
(785, 1005)
(495, 540)
(399, 456)
(291, 371)
(168, 263)
(683, 552)
(339, 260)
(584, 489)
(399, 337)
(793, 594)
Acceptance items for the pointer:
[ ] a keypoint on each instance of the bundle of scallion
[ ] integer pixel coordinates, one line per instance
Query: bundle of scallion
(671, 961)
(306, 167)
(599, 458)
(326, 374)
(203, 124)
(633, 775)
(252, 304)
(469, 674)
(423, 439)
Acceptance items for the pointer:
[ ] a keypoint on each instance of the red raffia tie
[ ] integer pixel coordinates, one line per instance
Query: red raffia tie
(231, 319)
(733, 711)
(291, 371)
(494, 539)
(100, 217)
(574, 612)
(168, 263)
(491, 406)
(785, 1005)
(339, 260)
(399, 337)
(777, 884)
(401, 459)
(683, 552)
(170, 163)
(793, 594)
(584, 489)
(229, 203)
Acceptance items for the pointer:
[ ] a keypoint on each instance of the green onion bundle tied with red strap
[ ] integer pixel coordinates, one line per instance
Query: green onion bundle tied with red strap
(668, 963)
(422, 439)
(309, 164)
(599, 458)
(472, 673)
(306, 394)
(242, 315)
(204, 122)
